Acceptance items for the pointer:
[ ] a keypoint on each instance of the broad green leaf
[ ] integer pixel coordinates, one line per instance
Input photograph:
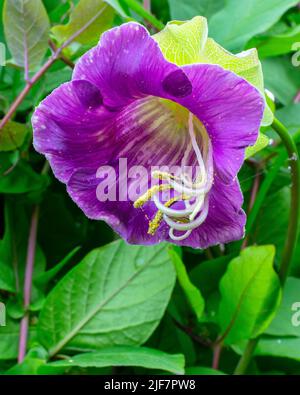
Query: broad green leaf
(290, 117)
(126, 356)
(171, 339)
(277, 43)
(29, 366)
(203, 371)
(26, 27)
(55, 78)
(261, 143)
(21, 179)
(275, 211)
(208, 274)
(187, 9)
(13, 248)
(7, 280)
(191, 292)
(118, 7)
(35, 358)
(88, 20)
(12, 136)
(281, 78)
(287, 319)
(279, 347)
(239, 21)
(49, 275)
(9, 339)
(251, 293)
(115, 296)
(187, 43)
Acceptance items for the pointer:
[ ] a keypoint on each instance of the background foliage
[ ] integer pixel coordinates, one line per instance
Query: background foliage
(98, 305)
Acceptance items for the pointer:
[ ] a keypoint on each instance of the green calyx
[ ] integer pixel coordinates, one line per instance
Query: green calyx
(187, 42)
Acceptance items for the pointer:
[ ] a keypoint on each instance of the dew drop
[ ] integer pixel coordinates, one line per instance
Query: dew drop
(294, 157)
(140, 262)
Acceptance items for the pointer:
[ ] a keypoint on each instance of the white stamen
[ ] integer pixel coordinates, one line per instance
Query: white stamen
(193, 193)
(191, 225)
(196, 212)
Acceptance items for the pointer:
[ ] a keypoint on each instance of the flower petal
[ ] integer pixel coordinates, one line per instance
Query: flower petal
(68, 125)
(231, 110)
(113, 109)
(145, 134)
(128, 64)
(225, 221)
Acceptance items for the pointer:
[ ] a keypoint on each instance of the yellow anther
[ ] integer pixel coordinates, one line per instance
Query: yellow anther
(149, 194)
(162, 175)
(155, 223)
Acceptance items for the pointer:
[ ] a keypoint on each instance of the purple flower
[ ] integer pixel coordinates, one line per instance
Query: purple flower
(126, 100)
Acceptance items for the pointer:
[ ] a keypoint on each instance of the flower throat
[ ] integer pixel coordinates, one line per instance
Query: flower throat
(191, 191)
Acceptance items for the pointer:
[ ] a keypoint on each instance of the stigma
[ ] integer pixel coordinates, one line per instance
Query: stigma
(191, 190)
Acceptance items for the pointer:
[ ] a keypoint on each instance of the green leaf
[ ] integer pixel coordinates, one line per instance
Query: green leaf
(208, 274)
(26, 27)
(21, 179)
(113, 297)
(126, 356)
(13, 248)
(283, 324)
(29, 366)
(92, 17)
(251, 294)
(117, 6)
(187, 9)
(277, 43)
(9, 339)
(281, 78)
(282, 347)
(261, 143)
(12, 136)
(290, 117)
(49, 275)
(191, 292)
(6, 276)
(275, 211)
(203, 371)
(239, 21)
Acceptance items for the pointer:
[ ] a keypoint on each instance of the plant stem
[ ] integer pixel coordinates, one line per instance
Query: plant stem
(62, 57)
(254, 192)
(217, 349)
(292, 233)
(26, 90)
(55, 56)
(139, 9)
(28, 283)
(262, 193)
(147, 5)
(246, 357)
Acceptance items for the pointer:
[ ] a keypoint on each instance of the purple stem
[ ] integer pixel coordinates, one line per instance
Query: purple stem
(44, 68)
(216, 356)
(147, 5)
(297, 98)
(28, 283)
